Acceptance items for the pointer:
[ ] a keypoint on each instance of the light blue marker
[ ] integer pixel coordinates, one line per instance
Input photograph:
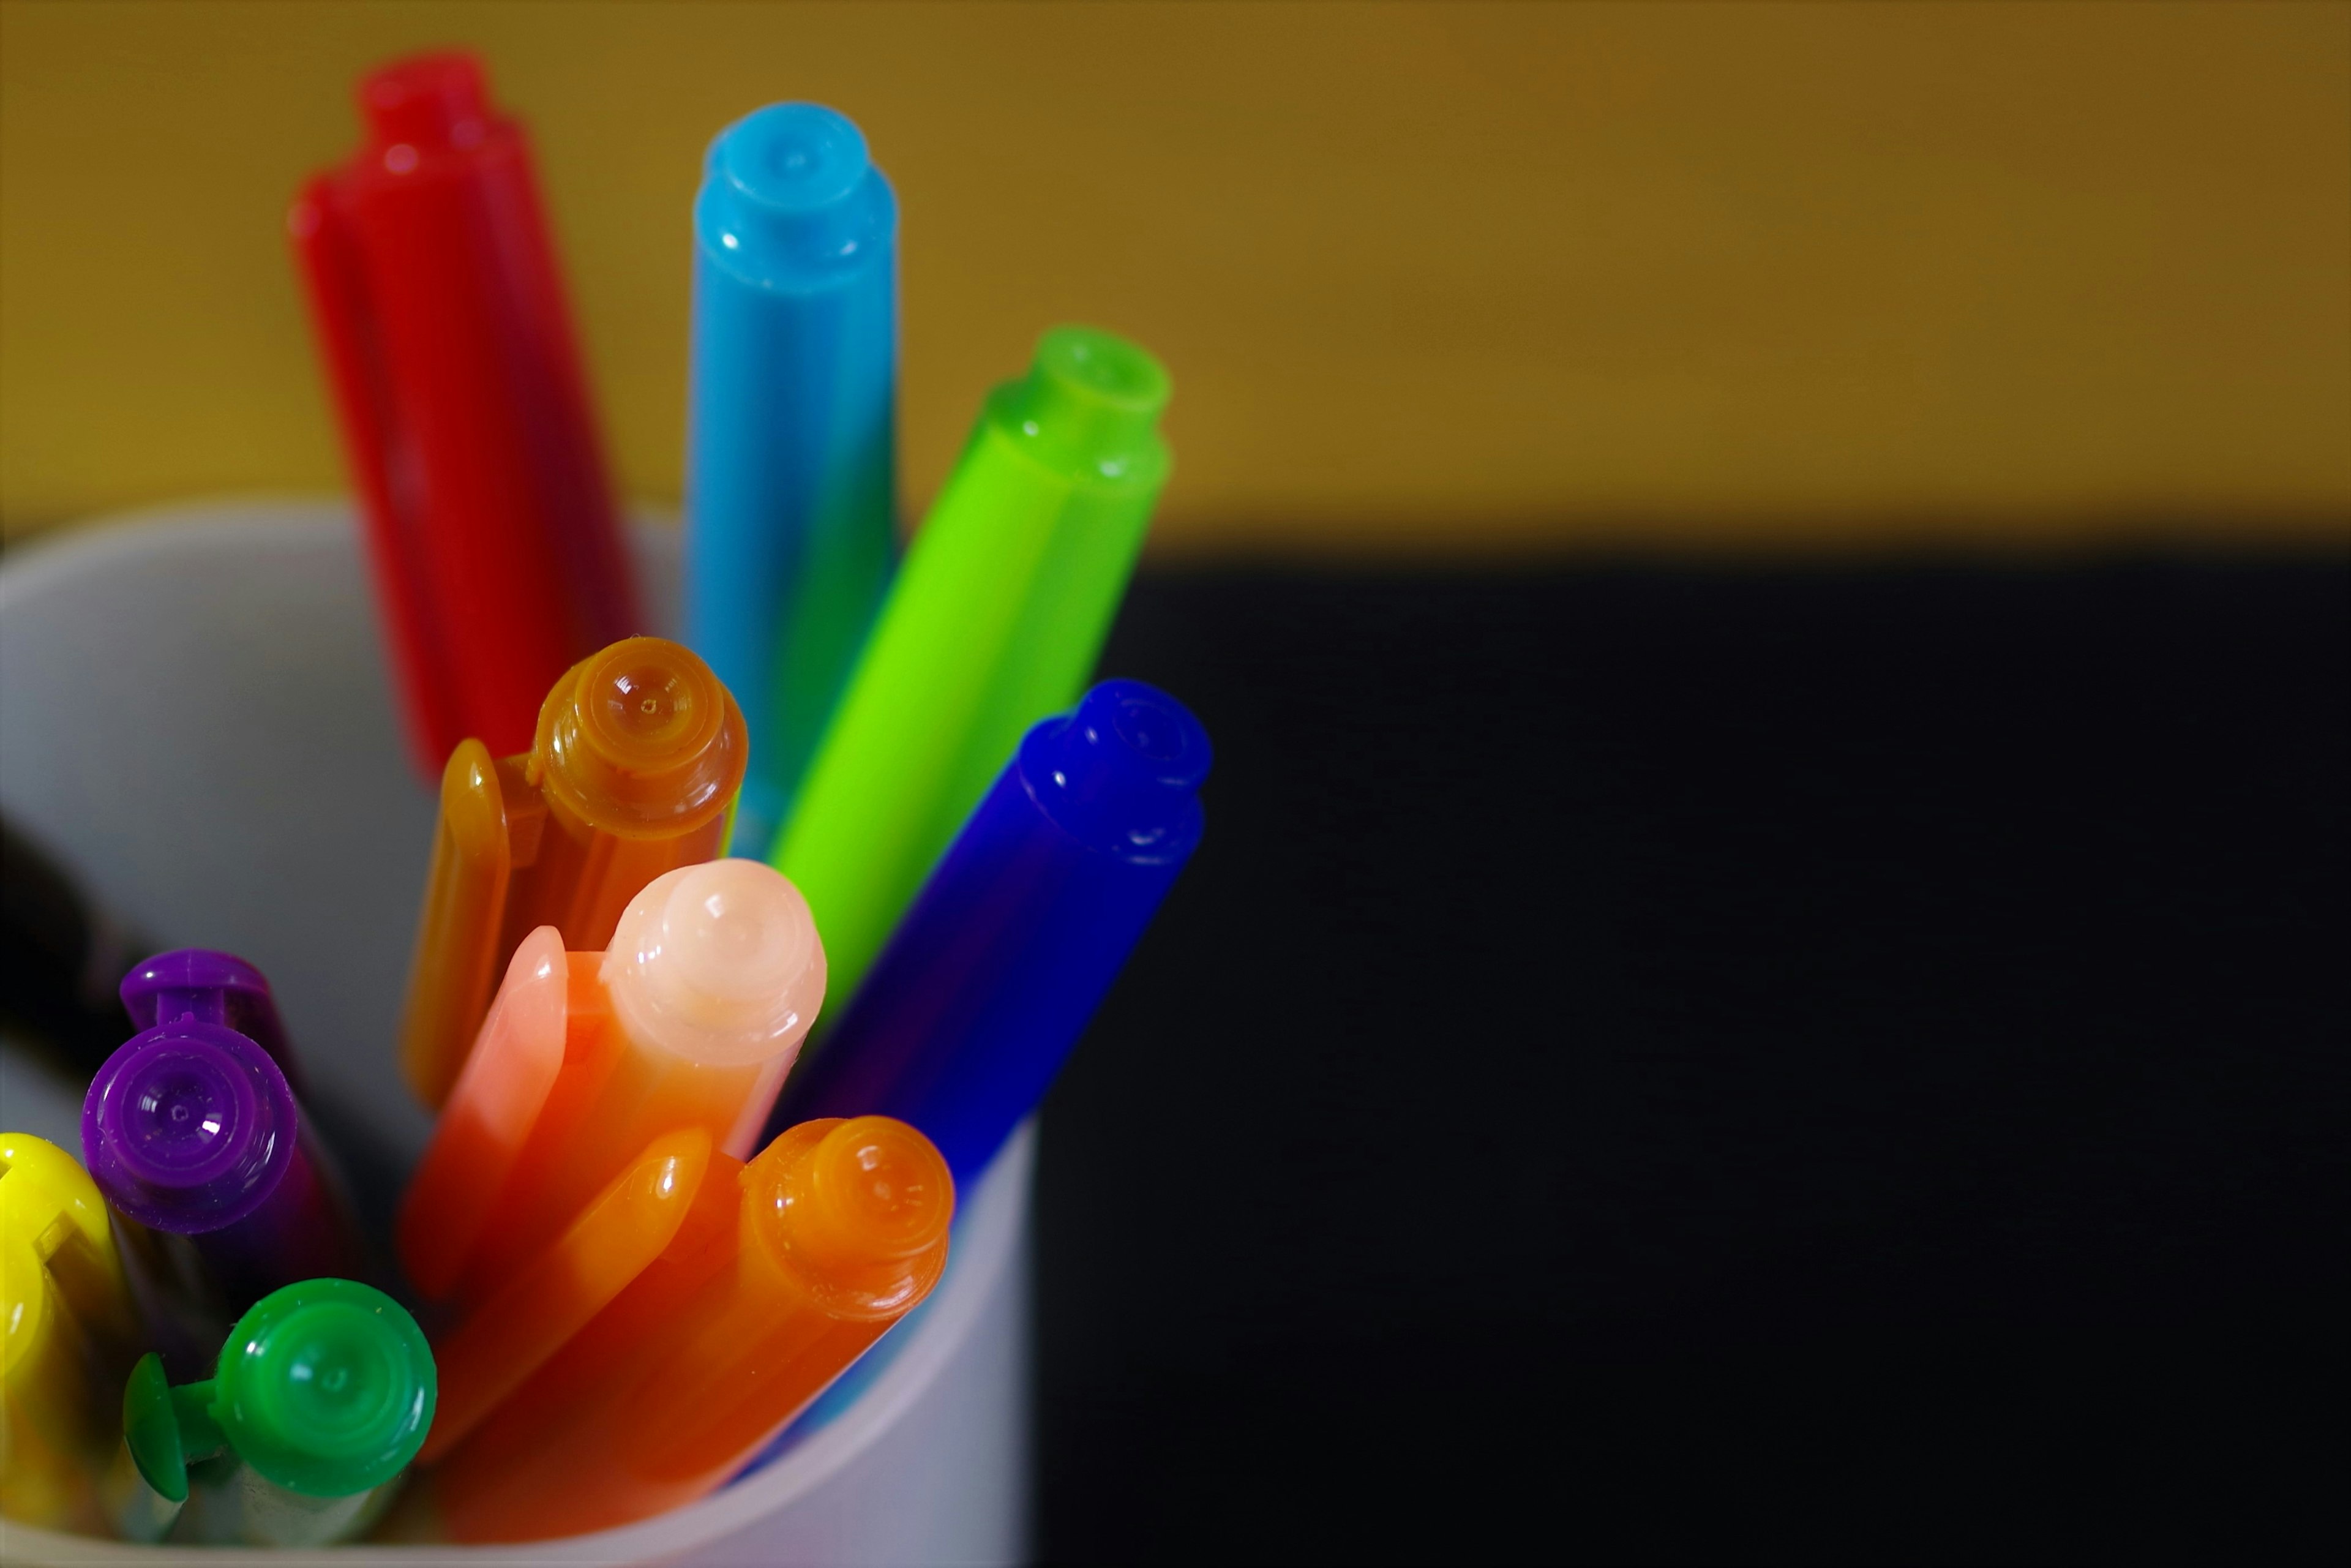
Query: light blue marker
(790, 490)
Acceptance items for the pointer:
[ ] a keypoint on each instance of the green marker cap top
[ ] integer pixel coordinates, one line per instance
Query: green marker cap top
(326, 1387)
(1089, 407)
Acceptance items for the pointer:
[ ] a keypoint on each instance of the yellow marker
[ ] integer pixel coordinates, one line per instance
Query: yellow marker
(66, 1315)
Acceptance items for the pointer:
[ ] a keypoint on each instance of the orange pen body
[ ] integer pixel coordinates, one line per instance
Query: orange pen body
(775, 1282)
(634, 772)
(687, 1023)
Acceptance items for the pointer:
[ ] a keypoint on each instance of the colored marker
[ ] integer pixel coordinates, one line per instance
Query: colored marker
(790, 493)
(689, 1020)
(66, 1327)
(324, 1392)
(987, 985)
(784, 1272)
(191, 1131)
(448, 348)
(634, 772)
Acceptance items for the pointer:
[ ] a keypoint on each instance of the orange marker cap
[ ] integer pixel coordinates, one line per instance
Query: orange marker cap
(869, 1196)
(641, 741)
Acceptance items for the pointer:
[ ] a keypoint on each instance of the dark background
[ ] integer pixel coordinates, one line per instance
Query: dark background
(1774, 1064)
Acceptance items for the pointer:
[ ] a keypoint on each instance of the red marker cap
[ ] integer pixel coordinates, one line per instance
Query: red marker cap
(498, 556)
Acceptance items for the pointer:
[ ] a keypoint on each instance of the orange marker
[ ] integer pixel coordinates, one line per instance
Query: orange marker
(634, 772)
(688, 1022)
(779, 1279)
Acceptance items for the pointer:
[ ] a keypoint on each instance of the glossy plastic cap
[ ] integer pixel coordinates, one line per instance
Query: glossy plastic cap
(642, 740)
(858, 1210)
(426, 102)
(1123, 773)
(1089, 407)
(876, 1192)
(790, 196)
(326, 1387)
(717, 963)
(188, 1127)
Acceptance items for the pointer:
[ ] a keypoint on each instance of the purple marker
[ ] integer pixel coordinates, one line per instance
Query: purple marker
(190, 1130)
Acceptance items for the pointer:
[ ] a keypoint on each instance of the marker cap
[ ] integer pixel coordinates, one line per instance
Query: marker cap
(427, 103)
(642, 740)
(189, 1127)
(717, 963)
(326, 1388)
(1089, 409)
(790, 198)
(1123, 773)
(858, 1210)
(872, 1191)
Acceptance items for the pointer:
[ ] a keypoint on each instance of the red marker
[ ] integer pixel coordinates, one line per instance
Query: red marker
(498, 558)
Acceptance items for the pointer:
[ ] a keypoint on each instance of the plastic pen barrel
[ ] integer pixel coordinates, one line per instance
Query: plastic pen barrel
(779, 1279)
(791, 506)
(324, 1393)
(1016, 937)
(448, 345)
(66, 1331)
(993, 622)
(689, 1020)
(634, 771)
(191, 1131)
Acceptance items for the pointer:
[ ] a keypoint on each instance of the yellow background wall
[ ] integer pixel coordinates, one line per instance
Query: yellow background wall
(1441, 275)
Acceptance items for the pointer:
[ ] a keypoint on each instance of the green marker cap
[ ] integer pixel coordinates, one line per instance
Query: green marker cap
(1089, 407)
(326, 1387)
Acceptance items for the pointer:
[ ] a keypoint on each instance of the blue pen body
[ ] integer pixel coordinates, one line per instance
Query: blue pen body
(791, 488)
(985, 985)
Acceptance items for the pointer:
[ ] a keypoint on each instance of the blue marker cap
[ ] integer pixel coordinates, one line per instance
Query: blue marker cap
(790, 196)
(1122, 774)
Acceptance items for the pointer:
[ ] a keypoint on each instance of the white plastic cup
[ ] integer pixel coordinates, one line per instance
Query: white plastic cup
(195, 718)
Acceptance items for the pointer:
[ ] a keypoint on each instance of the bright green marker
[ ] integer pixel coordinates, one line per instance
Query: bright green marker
(324, 1393)
(994, 623)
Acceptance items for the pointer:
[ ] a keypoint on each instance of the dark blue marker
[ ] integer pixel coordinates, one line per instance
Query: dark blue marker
(992, 976)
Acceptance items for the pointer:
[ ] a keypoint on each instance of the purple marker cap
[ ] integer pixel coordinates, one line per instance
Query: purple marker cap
(190, 1127)
(210, 987)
